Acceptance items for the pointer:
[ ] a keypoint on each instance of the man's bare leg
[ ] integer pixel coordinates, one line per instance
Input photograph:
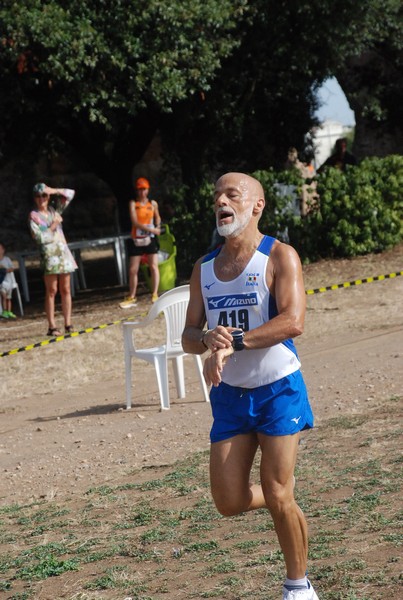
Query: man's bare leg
(230, 465)
(277, 476)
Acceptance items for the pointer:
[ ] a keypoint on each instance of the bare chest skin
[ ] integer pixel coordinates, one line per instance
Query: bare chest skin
(227, 268)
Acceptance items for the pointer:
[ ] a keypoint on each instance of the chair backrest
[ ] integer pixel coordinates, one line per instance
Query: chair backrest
(173, 304)
(13, 280)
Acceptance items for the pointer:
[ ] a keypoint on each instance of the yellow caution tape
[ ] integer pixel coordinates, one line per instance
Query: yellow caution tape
(348, 284)
(60, 338)
(320, 290)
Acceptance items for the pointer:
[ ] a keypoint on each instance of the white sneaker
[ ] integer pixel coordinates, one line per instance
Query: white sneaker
(308, 594)
(128, 302)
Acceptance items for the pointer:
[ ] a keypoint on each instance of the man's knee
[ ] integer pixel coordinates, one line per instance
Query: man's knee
(230, 505)
(279, 498)
(229, 509)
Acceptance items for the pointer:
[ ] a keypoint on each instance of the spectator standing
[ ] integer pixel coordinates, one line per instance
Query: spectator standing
(293, 162)
(57, 260)
(146, 225)
(309, 197)
(341, 157)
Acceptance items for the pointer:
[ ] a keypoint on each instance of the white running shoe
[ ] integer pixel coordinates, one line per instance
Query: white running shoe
(128, 302)
(308, 594)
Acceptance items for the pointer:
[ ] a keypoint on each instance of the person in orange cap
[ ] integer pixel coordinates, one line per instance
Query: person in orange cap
(146, 225)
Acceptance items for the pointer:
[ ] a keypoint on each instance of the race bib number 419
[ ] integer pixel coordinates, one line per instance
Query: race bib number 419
(233, 309)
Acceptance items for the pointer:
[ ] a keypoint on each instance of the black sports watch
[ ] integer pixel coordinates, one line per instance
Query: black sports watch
(237, 339)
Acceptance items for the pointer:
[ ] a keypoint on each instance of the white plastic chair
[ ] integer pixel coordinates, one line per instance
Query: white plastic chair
(174, 306)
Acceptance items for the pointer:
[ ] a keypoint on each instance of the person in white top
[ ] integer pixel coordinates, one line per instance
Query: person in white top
(250, 291)
(7, 282)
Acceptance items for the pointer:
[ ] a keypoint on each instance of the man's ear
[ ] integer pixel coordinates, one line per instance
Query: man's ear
(259, 206)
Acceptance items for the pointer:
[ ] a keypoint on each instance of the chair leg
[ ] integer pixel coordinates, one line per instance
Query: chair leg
(199, 366)
(177, 363)
(128, 370)
(17, 291)
(161, 370)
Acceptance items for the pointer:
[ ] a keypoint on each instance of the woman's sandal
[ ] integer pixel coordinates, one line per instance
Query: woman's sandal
(54, 332)
(69, 329)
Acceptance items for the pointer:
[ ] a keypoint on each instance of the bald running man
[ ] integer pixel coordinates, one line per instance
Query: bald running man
(251, 294)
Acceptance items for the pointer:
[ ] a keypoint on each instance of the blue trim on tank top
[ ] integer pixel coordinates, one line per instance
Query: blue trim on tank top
(212, 255)
(266, 245)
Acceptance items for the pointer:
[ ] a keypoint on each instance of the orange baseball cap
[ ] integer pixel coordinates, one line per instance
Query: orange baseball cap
(142, 184)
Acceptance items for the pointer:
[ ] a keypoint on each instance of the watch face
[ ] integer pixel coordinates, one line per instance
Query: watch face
(237, 334)
(237, 339)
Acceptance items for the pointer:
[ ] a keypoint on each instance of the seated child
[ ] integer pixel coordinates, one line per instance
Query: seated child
(6, 283)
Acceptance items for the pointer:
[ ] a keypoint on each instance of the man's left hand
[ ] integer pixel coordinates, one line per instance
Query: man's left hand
(214, 364)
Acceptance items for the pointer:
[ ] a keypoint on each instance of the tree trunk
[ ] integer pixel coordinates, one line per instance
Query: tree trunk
(372, 85)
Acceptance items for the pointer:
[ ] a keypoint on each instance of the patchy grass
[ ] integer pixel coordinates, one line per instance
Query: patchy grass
(163, 538)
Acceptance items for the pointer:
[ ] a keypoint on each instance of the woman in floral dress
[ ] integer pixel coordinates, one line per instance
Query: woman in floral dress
(57, 261)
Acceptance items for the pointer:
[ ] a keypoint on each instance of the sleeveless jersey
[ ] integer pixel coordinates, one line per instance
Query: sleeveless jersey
(245, 302)
(145, 216)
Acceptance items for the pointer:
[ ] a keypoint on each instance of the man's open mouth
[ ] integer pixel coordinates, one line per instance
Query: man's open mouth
(224, 216)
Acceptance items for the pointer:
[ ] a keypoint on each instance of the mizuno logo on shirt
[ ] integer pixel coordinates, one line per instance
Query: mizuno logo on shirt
(232, 300)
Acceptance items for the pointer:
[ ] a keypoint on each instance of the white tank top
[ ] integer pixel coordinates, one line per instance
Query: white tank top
(245, 302)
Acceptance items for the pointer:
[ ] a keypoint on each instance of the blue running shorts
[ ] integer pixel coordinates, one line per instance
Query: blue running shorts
(279, 408)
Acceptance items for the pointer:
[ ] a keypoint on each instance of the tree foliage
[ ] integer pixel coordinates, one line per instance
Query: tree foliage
(263, 99)
(228, 84)
(98, 75)
(101, 59)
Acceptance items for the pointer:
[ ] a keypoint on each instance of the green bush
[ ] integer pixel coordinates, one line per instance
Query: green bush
(360, 211)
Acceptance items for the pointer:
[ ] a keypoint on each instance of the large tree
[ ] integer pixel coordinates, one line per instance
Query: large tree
(230, 84)
(372, 78)
(265, 96)
(99, 74)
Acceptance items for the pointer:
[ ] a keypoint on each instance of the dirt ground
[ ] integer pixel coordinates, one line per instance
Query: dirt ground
(64, 426)
(63, 417)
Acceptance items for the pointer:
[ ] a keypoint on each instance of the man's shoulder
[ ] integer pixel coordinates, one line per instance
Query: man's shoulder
(284, 255)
